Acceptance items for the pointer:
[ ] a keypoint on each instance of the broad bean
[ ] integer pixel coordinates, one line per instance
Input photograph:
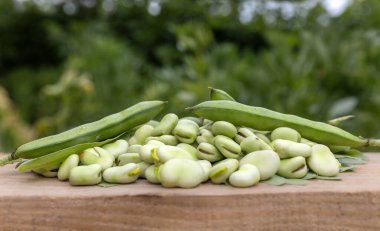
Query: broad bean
(97, 155)
(86, 175)
(65, 168)
(267, 161)
(116, 148)
(182, 173)
(220, 171)
(206, 151)
(293, 168)
(228, 147)
(224, 128)
(322, 161)
(247, 176)
(122, 174)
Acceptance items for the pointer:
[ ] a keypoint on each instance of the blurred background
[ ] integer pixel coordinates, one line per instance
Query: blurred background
(68, 62)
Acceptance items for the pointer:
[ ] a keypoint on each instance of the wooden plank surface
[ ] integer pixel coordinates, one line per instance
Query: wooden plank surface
(30, 202)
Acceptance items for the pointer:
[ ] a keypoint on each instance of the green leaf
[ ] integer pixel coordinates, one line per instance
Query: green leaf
(356, 153)
(106, 184)
(346, 168)
(310, 176)
(53, 160)
(279, 180)
(275, 180)
(351, 161)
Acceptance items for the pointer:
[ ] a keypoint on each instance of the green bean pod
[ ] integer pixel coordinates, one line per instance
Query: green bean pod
(265, 119)
(108, 127)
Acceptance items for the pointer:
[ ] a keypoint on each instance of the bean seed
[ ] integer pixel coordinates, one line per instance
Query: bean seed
(186, 131)
(116, 148)
(322, 161)
(287, 148)
(166, 139)
(285, 133)
(228, 147)
(86, 175)
(127, 158)
(206, 151)
(206, 165)
(166, 125)
(97, 155)
(166, 153)
(122, 174)
(141, 134)
(263, 137)
(135, 148)
(254, 143)
(224, 128)
(65, 168)
(146, 153)
(220, 172)
(151, 174)
(267, 161)
(293, 168)
(189, 148)
(182, 173)
(205, 136)
(143, 166)
(242, 134)
(247, 176)
(153, 123)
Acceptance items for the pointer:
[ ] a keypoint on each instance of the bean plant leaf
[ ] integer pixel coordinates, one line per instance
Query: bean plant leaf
(356, 153)
(310, 176)
(275, 180)
(104, 184)
(279, 181)
(347, 168)
(351, 161)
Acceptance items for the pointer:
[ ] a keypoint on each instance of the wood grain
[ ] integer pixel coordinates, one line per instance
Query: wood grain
(29, 202)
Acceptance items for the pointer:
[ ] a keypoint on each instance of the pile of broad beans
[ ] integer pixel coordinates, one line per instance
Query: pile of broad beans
(188, 151)
(230, 143)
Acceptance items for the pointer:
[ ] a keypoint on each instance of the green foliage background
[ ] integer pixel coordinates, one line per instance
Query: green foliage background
(59, 70)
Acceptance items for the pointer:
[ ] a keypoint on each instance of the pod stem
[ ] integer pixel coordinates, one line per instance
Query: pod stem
(373, 142)
(8, 159)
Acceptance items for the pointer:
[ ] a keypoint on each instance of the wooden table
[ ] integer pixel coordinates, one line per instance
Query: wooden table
(29, 202)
